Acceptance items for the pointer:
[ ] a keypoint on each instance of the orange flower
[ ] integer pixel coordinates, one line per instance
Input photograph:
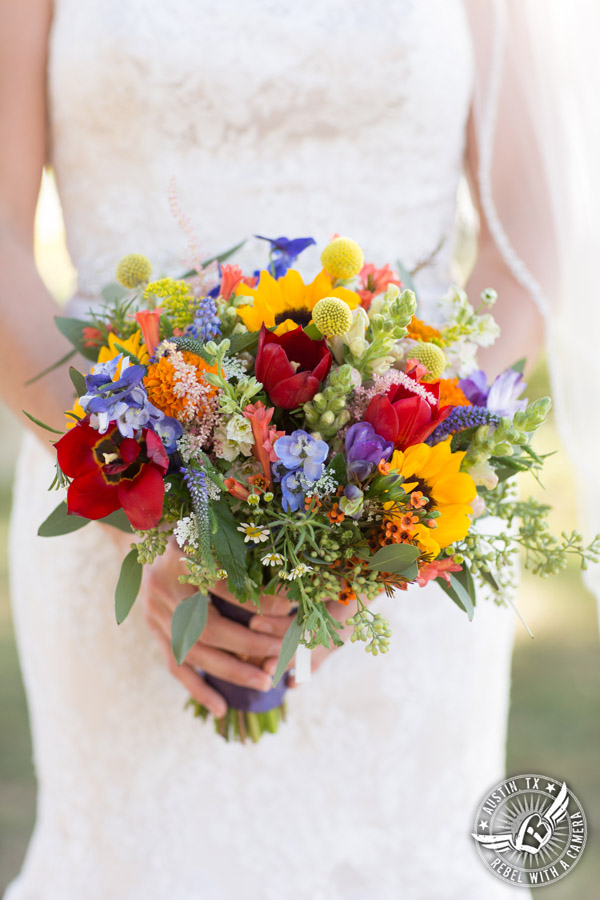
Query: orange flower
(148, 320)
(451, 394)
(383, 468)
(418, 500)
(346, 595)
(419, 331)
(259, 483)
(175, 384)
(335, 515)
(312, 501)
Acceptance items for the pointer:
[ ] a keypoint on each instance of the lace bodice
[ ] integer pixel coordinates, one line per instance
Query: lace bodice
(273, 118)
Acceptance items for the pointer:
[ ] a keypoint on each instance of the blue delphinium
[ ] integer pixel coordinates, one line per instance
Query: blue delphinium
(301, 459)
(125, 402)
(284, 252)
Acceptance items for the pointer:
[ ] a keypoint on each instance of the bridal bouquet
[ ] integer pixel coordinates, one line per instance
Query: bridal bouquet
(315, 438)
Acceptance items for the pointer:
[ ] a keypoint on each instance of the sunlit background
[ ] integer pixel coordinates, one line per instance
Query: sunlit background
(555, 718)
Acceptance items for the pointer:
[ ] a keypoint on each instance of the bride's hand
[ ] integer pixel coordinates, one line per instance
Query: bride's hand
(222, 643)
(277, 625)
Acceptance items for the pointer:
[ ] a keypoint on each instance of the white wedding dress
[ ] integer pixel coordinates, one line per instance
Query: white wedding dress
(274, 118)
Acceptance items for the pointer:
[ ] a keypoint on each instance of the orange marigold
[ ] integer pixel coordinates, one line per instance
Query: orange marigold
(451, 394)
(179, 391)
(420, 331)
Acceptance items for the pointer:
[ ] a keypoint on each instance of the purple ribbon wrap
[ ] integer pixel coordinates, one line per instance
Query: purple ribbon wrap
(238, 697)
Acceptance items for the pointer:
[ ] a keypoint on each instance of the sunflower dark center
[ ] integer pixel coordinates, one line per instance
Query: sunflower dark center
(300, 316)
(426, 490)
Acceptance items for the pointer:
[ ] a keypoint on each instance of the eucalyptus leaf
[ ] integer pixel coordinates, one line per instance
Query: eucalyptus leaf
(490, 578)
(119, 520)
(466, 579)
(288, 648)
(59, 522)
(411, 572)
(113, 292)
(394, 558)
(72, 329)
(78, 381)
(463, 595)
(220, 258)
(128, 585)
(187, 624)
(519, 366)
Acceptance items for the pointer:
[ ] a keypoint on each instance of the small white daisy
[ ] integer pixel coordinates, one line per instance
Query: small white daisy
(272, 559)
(253, 532)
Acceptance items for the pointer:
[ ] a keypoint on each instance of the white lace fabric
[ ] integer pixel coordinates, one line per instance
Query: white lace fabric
(274, 119)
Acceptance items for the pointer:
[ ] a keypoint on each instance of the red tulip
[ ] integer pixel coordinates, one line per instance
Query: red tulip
(291, 366)
(405, 417)
(111, 472)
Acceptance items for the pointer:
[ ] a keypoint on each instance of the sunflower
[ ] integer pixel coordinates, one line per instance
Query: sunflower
(287, 302)
(433, 473)
(133, 345)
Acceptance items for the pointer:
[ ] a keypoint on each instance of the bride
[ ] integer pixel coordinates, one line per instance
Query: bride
(273, 118)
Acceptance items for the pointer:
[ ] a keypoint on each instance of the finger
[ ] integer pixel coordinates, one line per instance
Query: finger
(194, 683)
(225, 634)
(275, 625)
(276, 604)
(229, 668)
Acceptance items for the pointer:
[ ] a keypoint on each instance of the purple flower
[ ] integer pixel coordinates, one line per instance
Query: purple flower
(502, 397)
(284, 253)
(292, 489)
(206, 324)
(365, 449)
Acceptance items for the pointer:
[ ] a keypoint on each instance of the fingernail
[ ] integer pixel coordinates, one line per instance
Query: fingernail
(260, 683)
(270, 665)
(219, 711)
(258, 624)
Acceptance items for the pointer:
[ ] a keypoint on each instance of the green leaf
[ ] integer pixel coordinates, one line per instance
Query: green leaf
(59, 522)
(40, 423)
(220, 257)
(405, 277)
(463, 595)
(411, 572)
(113, 292)
(188, 623)
(119, 520)
(128, 585)
(72, 329)
(59, 362)
(128, 353)
(313, 332)
(519, 366)
(491, 580)
(288, 648)
(339, 468)
(466, 579)
(229, 546)
(394, 558)
(241, 342)
(78, 381)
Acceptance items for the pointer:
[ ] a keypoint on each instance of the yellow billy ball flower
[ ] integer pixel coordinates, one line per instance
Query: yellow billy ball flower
(342, 258)
(431, 356)
(133, 270)
(332, 316)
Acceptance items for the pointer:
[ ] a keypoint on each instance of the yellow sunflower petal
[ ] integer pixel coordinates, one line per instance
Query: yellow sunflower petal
(415, 460)
(285, 326)
(427, 540)
(459, 488)
(453, 525)
(439, 462)
(293, 291)
(346, 295)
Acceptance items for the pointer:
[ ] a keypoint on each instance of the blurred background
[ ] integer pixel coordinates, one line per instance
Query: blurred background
(554, 725)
